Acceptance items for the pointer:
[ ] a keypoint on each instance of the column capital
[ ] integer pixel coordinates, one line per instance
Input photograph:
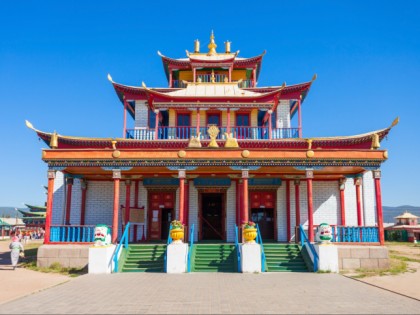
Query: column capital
(156, 111)
(116, 174)
(69, 180)
(376, 174)
(83, 184)
(128, 182)
(342, 183)
(270, 111)
(296, 182)
(51, 174)
(357, 181)
(181, 173)
(309, 174)
(245, 174)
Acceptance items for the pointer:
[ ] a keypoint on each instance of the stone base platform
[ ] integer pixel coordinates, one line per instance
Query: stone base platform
(351, 257)
(70, 256)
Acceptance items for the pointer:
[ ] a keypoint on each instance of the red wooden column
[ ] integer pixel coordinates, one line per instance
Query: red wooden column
(297, 201)
(358, 183)
(187, 203)
(288, 220)
(239, 190)
(170, 77)
(116, 175)
(156, 124)
(50, 197)
(244, 215)
(254, 76)
(69, 182)
(136, 205)
(181, 176)
(309, 177)
(198, 122)
(228, 121)
(127, 200)
(125, 118)
(378, 195)
(270, 112)
(342, 187)
(83, 187)
(299, 118)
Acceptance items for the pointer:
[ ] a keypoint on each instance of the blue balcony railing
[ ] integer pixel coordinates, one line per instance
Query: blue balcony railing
(238, 132)
(355, 234)
(72, 233)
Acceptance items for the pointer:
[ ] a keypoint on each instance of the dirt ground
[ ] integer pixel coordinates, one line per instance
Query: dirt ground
(407, 283)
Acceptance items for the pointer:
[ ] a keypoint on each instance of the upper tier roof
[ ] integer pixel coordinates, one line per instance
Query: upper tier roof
(211, 58)
(362, 141)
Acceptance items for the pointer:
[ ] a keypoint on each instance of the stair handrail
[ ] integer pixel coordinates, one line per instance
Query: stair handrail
(124, 240)
(238, 253)
(169, 241)
(190, 249)
(259, 241)
(304, 239)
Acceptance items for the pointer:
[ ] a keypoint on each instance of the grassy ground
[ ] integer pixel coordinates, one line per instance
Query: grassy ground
(29, 262)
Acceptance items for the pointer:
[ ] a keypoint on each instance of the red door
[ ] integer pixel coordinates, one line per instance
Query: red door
(161, 213)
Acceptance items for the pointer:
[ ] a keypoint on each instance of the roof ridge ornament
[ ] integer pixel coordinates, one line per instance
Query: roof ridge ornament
(395, 122)
(212, 46)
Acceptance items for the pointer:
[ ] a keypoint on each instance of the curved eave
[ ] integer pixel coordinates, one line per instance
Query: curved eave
(36, 208)
(186, 64)
(363, 141)
(163, 97)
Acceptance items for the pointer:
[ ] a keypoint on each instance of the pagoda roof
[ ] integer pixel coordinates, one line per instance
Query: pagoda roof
(203, 91)
(204, 59)
(32, 214)
(362, 141)
(36, 208)
(406, 215)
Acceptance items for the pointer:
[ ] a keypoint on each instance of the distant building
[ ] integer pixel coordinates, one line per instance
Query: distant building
(9, 224)
(406, 228)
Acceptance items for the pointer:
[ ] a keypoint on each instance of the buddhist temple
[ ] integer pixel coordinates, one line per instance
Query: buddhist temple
(213, 149)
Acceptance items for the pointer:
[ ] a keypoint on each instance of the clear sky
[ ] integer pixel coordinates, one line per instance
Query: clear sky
(55, 57)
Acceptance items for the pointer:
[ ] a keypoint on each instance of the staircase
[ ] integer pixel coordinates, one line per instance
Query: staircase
(143, 258)
(284, 258)
(214, 258)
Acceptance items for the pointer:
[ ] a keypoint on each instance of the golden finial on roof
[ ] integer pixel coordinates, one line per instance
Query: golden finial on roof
(54, 141)
(375, 142)
(196, 46)
(212, 46)
(227, 47)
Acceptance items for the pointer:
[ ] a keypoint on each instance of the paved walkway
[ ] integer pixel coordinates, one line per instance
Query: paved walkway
(20, 282)
(213, 293)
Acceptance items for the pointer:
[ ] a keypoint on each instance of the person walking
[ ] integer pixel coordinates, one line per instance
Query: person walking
(16, 248)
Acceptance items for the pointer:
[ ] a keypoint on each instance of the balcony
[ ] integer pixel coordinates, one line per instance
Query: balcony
(239, 132)
(206, 78)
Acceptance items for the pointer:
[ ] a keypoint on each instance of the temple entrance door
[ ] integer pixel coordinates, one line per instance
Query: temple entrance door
(212, 216)
(161, 213)
(262, 204)
(265, 220)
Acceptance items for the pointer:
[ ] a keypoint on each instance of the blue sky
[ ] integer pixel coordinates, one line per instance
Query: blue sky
(55, 56)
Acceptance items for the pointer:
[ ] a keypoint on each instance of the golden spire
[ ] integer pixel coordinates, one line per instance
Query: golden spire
(212, 46)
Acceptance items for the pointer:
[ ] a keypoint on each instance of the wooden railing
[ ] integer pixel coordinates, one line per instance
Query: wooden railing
(355, 234)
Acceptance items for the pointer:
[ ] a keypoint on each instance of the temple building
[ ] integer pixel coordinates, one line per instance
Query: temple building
(35, 217)
(213, 149)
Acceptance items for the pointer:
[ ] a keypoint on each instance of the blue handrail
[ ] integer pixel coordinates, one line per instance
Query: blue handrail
(169, 241)
(191, 248)
(259, 241)
(303, 240)
(238, 251)
(124, 240)
(355, 234)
